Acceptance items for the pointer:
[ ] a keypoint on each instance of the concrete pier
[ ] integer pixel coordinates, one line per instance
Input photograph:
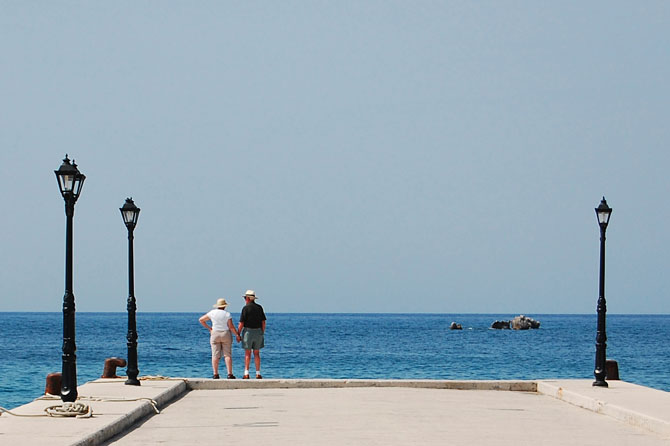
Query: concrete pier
(337, 412)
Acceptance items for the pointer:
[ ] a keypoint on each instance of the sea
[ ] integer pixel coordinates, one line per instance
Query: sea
(365, 346)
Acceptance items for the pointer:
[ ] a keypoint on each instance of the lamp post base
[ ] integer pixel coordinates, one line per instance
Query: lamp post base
(132, 382)
(600, 384)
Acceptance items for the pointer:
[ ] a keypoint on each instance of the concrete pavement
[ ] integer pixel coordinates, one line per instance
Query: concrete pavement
(326, 412)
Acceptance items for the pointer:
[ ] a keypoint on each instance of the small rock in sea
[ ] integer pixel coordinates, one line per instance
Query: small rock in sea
(455, 326)
(501, 325)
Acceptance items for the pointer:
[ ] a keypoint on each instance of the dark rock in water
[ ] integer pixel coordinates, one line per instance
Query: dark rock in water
(455, 326)
(501, 325)
(522, 322)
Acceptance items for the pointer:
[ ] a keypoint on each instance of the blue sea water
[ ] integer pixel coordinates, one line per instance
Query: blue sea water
(398, 346)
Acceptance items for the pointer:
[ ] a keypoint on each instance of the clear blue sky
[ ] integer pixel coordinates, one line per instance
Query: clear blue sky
(343, 156)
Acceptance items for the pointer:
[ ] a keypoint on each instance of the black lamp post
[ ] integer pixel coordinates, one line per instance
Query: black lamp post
(130, 213)
(70, 182)
(603, 212)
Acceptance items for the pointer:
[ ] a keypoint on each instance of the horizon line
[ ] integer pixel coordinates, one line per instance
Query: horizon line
(357, 313)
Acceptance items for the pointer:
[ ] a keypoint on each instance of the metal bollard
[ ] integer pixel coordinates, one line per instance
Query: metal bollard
(110, 367)
(53, 383)
(612, 368)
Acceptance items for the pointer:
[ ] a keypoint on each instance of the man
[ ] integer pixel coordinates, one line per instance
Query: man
(252, 321)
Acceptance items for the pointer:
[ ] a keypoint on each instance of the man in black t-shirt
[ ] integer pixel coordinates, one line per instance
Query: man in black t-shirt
(252, 327)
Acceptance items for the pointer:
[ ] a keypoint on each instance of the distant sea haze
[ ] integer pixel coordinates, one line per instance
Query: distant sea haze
(391, 346)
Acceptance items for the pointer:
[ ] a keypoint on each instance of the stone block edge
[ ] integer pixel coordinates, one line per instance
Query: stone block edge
(128, 420)
(628, 416)
(502, 385)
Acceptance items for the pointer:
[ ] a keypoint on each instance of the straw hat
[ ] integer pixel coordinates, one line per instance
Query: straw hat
(220, 303)
(250, 294)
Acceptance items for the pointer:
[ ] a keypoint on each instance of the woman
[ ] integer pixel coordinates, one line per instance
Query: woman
(220, 336)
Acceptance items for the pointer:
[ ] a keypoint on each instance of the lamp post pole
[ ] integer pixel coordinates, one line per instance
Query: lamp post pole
(603, 211)
(130, 212)
(70, 181)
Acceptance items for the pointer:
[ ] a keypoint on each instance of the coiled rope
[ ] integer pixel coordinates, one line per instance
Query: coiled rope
(68, 409)
(79, 410)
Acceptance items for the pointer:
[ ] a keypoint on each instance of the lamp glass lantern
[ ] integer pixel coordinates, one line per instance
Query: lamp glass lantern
(603, 211)
(130, 213)
(70, 180)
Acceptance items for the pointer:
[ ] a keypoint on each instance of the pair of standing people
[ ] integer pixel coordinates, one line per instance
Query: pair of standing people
(250, 330)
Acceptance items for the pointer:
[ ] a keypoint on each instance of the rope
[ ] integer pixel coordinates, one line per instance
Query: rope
(3, 410)
(141, 378)
(76, 409)
(159, 377)
(48, 397)
(81, 410)
(153, 403)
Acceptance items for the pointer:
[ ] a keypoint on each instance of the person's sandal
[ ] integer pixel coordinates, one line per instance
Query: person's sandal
(231, 376)
(259, 377)
(215, 377)
(245, 377)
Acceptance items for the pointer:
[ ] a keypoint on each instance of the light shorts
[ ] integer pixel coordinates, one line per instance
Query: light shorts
(253, 339)
(221, 342)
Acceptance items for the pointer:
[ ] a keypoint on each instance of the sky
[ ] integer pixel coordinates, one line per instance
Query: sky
(338, 156)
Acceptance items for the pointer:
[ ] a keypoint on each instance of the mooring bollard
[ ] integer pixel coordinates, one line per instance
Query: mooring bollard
(53, 383)
(110, 367)
(612, 368)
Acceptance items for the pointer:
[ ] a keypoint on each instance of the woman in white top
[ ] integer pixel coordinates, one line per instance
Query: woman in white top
(220, 337)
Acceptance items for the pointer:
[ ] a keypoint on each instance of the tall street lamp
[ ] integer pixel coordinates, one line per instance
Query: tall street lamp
(70, 182)
(603, 212)
(130, 213)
